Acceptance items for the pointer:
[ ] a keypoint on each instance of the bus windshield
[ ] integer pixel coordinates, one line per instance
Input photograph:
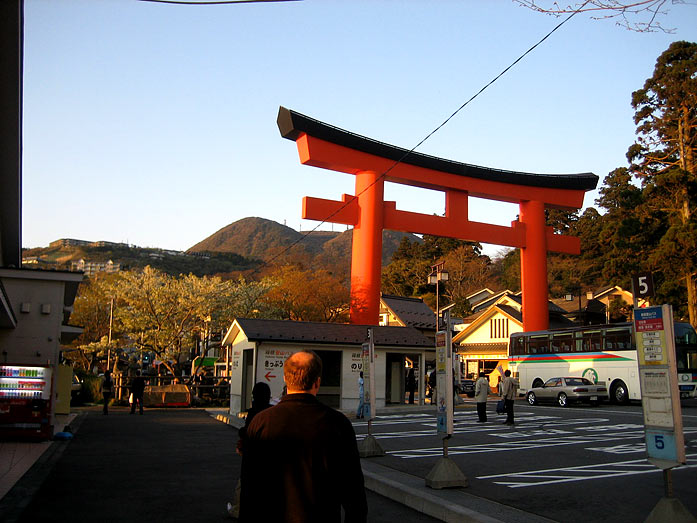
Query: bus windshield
(685, 347)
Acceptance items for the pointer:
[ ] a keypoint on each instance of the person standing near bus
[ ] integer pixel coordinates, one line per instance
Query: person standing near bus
(509, 389)
(106, 385)
(481, 393)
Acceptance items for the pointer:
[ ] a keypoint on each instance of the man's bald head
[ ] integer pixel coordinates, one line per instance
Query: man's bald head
(302, 372)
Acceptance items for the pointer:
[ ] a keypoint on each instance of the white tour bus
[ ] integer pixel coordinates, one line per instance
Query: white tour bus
(601, 353)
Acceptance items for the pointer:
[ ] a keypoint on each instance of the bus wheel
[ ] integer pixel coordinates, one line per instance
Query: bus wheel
(532, 400)
(562, 400)
(537, 383)
(619, 393)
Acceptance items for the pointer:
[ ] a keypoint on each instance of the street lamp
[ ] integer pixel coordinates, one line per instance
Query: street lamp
(438, 274)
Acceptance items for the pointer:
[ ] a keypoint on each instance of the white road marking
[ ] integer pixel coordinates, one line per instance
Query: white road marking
(519, 445)
(621, 449)
(535, 478)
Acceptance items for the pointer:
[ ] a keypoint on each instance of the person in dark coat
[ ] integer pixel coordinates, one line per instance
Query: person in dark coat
(107, 386)
(411, 385)
(300, 462)
(261, 398)
(137, 389)
(432, 383)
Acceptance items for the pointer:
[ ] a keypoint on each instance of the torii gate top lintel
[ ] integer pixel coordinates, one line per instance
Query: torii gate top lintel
(323, 145)
(373, 162)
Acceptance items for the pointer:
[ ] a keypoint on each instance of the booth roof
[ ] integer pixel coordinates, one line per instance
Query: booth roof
(315, 332)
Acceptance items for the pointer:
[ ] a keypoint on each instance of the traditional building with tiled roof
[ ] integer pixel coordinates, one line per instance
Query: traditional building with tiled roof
(407, 312)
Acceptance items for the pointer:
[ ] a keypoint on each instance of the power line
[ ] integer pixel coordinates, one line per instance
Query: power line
(401, 159)
(213, 2)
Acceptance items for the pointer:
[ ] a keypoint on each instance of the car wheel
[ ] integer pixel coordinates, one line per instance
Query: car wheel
(537, 383)
(532, 399)
(562, 400)
(619, 393)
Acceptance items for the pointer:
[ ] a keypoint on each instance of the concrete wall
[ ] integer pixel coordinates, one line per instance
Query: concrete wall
(38, 307)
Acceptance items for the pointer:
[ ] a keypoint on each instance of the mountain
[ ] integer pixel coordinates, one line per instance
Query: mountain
(263, 239)
(251, 238)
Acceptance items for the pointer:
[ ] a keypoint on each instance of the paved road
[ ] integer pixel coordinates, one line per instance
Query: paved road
(575, 464)
(168, 465)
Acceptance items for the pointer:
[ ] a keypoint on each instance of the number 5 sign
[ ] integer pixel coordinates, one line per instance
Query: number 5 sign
(642, 285)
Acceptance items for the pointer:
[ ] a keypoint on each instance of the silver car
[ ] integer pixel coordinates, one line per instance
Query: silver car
(566, 390)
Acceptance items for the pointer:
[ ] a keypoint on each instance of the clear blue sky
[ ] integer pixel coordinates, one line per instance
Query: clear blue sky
(155, 124)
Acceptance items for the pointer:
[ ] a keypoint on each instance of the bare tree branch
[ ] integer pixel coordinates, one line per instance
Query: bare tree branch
(641, 16)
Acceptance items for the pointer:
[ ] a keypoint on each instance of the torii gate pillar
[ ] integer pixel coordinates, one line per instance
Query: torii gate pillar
(366, 249)
(533, 266)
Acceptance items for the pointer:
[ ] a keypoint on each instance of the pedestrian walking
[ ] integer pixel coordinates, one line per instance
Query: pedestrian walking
(481, 393)
(107, 388)
(360, 412)
(432, 383)
(261, 400)
(509, 390)
(411, 385)
(300, 461)
(137, 391)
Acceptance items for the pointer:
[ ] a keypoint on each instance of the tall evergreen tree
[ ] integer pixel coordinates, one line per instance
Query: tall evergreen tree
(664, 158)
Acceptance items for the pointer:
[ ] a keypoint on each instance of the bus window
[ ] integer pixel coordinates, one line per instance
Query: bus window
(685, 334)
(563, 342)
(592, 341)
(578, 341)
(618, 339)
(518, 345)
(538, 344)
(686, 357)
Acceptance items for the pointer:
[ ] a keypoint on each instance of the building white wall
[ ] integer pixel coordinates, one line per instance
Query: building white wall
(268, 367)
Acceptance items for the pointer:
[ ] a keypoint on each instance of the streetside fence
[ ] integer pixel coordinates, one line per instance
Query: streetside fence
(162, 391)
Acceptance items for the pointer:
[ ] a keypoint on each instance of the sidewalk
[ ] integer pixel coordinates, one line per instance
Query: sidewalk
(17, 457)
(40, 480)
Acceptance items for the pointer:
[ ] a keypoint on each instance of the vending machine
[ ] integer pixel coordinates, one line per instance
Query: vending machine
(25, 402)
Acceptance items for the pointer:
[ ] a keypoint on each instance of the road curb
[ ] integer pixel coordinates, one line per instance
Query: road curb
(450, 505)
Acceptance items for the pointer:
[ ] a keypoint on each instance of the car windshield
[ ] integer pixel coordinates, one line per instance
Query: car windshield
(578, 381)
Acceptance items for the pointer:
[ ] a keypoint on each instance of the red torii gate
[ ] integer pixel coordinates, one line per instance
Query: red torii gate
(373, 163)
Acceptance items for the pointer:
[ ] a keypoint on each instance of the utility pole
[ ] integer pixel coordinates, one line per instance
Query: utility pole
(111, 321)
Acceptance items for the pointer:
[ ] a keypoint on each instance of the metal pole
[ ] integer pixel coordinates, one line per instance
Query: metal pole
(111, 321)
(437, 307)
(668, 482)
